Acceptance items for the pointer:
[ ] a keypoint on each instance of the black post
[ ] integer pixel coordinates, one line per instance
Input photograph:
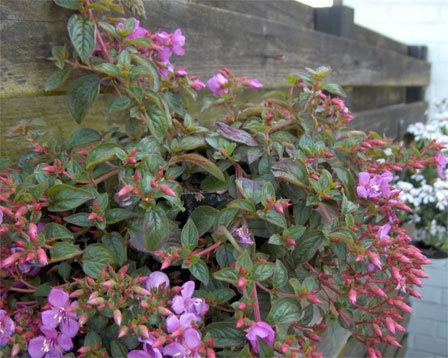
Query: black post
(416, 94)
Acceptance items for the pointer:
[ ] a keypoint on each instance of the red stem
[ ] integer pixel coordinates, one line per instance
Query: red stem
(256, 304)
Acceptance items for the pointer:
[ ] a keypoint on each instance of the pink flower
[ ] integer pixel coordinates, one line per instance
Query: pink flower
(352, 296)
(138, 32)
(7, 328)
(216, 85)
(374, 186)
(384, 232)
(61, 313)
(186, 303)
(260, 330)
(148, 350)
(441, 163)
(197, 85)
(157, 279)
(178, 42)
(253, 84)
(50, 345)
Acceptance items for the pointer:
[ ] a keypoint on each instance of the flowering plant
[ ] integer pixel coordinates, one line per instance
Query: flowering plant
(162, 237)
(426, 191)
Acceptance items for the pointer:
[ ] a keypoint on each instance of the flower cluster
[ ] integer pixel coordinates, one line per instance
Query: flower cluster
(59, 326)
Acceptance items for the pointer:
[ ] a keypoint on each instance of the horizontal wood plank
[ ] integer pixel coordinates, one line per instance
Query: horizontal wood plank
(290, 12)
(372, 38)
(391, 120)
(364, 98)
(216, 38)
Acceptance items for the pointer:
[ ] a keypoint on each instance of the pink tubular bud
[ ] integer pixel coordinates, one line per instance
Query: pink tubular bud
(391, 341)
(374, 259)
(32, 230)
(378, 291)
(313, 299)
(141, 291)
(166, 263)
(414, 293)
(76, 294)
(279, 208)
(108, 284)
(311, 335)
(117, 317)
(390, 325)
(377, 330)
(42, 256)
(419, 273)
(403, 306)
(92, 216)
(143, 331)
(15, 350)
(167, 190)
(352, 296)
(240, 323)
(125, 190)
(241, 283)
(123, 331)
(49, 169)
(164, 311)
(373, 353)
(210, 353)
(83, 319)
(10, 260)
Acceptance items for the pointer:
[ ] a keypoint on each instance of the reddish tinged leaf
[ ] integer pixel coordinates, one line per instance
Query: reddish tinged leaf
(200, 161)
(236, 135)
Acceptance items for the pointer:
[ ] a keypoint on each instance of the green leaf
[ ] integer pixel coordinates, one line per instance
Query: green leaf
(223, 295)
(82, 136)
(120, 104)
(334, 88)
(224, 255)
(242, 204)
(204, 218)
(64, 197)
(64, 251)
(156, 227)
(59, 55)
(262, 271)
(200, 161)
(308, 245)
(226, 274)
(115, 242)
(116, 215)
(92, 339)
(79, 219)
(189, 236)
(226, 335)
(95, 258)
(200, 271)
(64, 270)
(108, 69)
(273, 217)
(284, 311)
(81, 95)
(103, 153)
(69, 4)
(53, 231)
(82, 36)
(118, 349)
(280, 278)
(291, 171)
(57, 79)
(348, 182)
(251, 189)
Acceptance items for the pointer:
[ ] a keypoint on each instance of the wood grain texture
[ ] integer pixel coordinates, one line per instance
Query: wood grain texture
(372, 38)
(289, 12)
(391, 120)
(263, 49)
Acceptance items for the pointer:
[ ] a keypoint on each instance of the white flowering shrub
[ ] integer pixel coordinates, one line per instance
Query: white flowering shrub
(427, 191)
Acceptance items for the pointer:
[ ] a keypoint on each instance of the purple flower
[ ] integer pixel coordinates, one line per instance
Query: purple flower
(374, 186)
(61, 313)
(1, 216)
(253, 84)
(173, 323)
(262, 330)
(441, 163)
(29, 267)
(7, 328)
(50, 345)
(242, 234)
(174, 349)
(178, 42)
(191, 340)
(148, 350)
(217, 83)
(157, 279)
(384, 231)
(137, 33)
(186, 303)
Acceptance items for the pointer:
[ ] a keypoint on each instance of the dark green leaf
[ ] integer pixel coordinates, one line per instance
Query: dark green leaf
(92, 339)
(280, 278)
(64, 197)
(225, 334)
(120, 104)
(103, 153)
(156, 227)
(95, 258)
(82, 35)
(63, 251)
(226, 274)
(118, 349)
(283, 311)
(200, 271)
(262, 271)
(79, 219)
(57, 79)
(53, 231)
(115, 242)
(204, 218)
(81, 95)
(116, 215)
(69, 4)
(308, 245)
(200, 161)
(236, 135)
(223, 295)
(82, 136)
(189, 236)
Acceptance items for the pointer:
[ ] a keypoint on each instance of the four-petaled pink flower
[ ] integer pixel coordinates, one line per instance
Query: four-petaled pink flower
(260, 330)
(157, 279)
(61, 313)
(383, 232)
(216, 85)
(441, 163)
(51, 345)
(148, 350)
(7, 328)
(138, 31)
(186, 303)
(374, 186)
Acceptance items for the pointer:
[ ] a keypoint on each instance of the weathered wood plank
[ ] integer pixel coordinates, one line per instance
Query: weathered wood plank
(364, 98)
(391, 120)
(258, 48)
(372, 38)
(289, 12)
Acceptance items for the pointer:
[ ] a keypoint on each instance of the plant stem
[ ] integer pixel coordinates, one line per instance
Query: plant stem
(256, 304)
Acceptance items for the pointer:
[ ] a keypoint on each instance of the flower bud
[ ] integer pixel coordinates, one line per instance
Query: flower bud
(123, 331)
(32, 231)
(377, 330)
(391, 341)
(83, 319)
(125, 190)
(311, 335)
(42, 256)
(167, 190)
(108, 284)
(241, 283)
(403, 306)
(143, 330)
(117, 317)
(211, 353)
(76, 294)
(141, 291)
(352, 296)
(390, 325)
(313, 299)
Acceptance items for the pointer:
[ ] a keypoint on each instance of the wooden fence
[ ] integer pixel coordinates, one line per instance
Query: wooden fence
(265, 39)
